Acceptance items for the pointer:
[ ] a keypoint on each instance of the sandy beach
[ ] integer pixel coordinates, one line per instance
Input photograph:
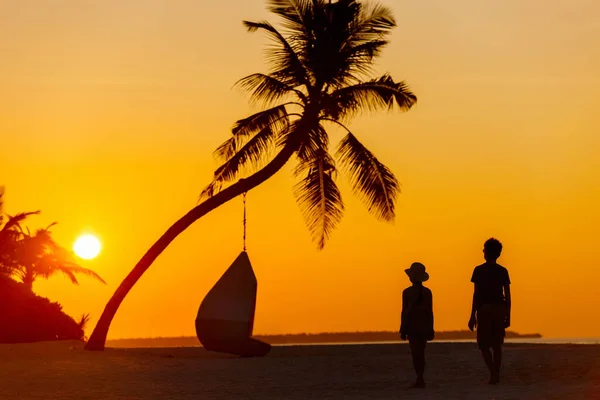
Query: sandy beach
(63, 370)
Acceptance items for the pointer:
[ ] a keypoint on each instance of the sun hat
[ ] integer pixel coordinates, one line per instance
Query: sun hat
(417, 272)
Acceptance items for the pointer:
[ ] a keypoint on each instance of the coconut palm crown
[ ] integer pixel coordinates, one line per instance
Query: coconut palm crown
(320, 64)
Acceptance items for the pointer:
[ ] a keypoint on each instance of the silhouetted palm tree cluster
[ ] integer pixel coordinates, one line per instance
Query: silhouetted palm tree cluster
(27, 256)
(321, 59)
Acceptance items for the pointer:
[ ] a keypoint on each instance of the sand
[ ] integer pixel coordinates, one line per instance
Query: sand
(63, 370)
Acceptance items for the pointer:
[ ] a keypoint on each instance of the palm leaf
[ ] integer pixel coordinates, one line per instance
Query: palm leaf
(341, 39)
(14, 222)
(361, 56)
(359, 60)
(315, 141)
(286, 64)
(83, 321)
(266, 89)
(210, 190)
(56, 259)
(371, 180)
(319, 197)
(373, 22)
(251, 154)
(276, 118)
(71, 269)
(375, 95)
(42, 238)
(295, 14)
(38, 255)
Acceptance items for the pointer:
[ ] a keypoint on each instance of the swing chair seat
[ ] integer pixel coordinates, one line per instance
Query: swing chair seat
(225, 318)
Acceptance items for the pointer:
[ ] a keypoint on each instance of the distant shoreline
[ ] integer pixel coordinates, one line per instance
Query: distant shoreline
(308, 338)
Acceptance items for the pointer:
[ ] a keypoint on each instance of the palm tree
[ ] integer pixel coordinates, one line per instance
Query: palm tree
(28, 256)
(4, 236)
(4, 239)
(9, 239)
(319, 62)
(37, 255)
(10, 234)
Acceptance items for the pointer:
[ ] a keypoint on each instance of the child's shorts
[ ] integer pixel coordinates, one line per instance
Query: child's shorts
(490, 325)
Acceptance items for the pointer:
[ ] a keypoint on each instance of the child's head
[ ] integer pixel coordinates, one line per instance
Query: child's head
(492, 249)
(416, 273)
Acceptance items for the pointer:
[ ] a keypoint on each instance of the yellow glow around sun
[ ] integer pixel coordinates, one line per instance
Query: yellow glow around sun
(87, 247)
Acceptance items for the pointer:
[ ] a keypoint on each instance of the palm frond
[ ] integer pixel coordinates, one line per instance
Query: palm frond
(38, 255)
(315, 141)
(56, 259)
(42, 238)
(266, 89)
(276, 118)
(254, 151)
(210, 190)
(294, 13)
(358, 62)
(71, 269)
(251, 154)
(67, 272)
(374, 22)
(83, 321)
(372, 181)
(14, 222)
(257, 122)
(339, 41)
(286, 63)
(375, 95)
(319, 197)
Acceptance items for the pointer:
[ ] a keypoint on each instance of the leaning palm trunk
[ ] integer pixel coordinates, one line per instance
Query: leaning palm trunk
(98, 337)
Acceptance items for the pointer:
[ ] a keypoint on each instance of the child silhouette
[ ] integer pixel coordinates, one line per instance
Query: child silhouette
(417, 318)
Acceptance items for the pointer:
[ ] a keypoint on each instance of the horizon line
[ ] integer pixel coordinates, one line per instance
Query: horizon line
(313, 334)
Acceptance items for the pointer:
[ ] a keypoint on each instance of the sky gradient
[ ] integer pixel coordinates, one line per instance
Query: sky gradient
(110, 111)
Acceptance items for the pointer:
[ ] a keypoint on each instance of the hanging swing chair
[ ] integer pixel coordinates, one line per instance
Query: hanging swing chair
(225, 318)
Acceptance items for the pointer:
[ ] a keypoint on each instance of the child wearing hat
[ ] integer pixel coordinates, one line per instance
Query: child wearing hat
(417, 318)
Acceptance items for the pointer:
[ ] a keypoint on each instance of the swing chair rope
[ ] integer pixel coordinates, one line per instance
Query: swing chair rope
(244, 238)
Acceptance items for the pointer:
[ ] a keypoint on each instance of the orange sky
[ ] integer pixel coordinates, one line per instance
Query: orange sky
(110, 110)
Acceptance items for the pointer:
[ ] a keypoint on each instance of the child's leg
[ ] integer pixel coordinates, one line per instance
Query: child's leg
(485, 335)
(497, 340)
(417, 348)
(487, 358)
(497, 362)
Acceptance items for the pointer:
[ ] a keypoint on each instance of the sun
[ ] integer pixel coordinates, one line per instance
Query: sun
(87, 247)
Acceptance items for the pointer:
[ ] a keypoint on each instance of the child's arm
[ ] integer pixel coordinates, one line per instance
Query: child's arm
(473, 319)
(508, 304)
(432, 335)
(404, 315)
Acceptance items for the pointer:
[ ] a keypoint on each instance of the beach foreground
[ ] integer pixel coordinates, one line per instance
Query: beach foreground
(63, 370)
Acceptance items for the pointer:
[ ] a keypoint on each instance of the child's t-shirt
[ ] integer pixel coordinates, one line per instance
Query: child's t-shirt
(417, 311)
(490, 279)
